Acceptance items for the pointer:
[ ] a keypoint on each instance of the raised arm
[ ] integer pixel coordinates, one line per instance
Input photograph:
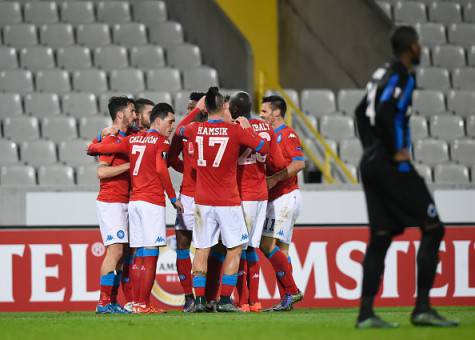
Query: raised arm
(122, 147)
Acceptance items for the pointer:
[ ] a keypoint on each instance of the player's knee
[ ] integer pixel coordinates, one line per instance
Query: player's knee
(267, 244)
(380, 240)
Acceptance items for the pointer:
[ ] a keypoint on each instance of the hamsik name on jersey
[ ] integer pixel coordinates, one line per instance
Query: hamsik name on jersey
(204, 130)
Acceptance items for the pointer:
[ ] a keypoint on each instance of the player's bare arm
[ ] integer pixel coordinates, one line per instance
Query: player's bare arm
(291, 170)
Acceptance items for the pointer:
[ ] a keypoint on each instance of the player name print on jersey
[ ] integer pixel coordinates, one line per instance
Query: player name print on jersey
(212, 131)
(145, 140)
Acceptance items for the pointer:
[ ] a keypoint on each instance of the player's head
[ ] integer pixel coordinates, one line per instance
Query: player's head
(240, 105)
(193, 99)
(405, 44)
(214, 102)
(162, 118)
(144, 108)
(122, 110)
(273, 109)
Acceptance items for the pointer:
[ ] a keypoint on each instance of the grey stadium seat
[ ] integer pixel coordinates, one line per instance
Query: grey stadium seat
(42, 104)
(471, 126)
(9, 152)
(87, 175)
(10, 13)
(36, 153)
(111, 57)
(448, 56)
(291, 93)
(463, 151)
(385, 7)
(157, 96)
(53, 81)
(431, 151)
(11, 104)
(461, 102)
(166, 33)
(79, 104)
(200, 78)
(351, 151)
(74, 58)
(20, 81)
(37, 58)
(469, 15)
(462, 34)
(8, 58)
(410, 12)
(130, 34)
(90, 126)
(433, 78)
(20, 35)
(445, 12)
(56, 175)
(17, 176)
(57, 35)
(180, 102)
(425, 57)
(104, 100)
(147, 57)
(451, 174)
(113, 12)
(424, 171)
(90, 80)
(73, 152)
(318, 102)
(164, 79)
(149, 11)
(93, 35)
(44, 12)
(348, 99)
(431, 34)
(419, 127)
(58, 129)
(464, 78)
(184, 56)
(127, 80)
(77, 12)
(337, 127)
(471, 56)
(428, 102)
(447, 127)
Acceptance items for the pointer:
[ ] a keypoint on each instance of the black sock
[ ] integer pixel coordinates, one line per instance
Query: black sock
(225, 300)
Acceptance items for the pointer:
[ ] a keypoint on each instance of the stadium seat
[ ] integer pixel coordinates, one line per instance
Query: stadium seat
(433, 78)
(90, 80)
(351, 151)
(424, 171)
(425, 57)
(58, 129)
(40, 104)
(431, 151)
(200, 78)
(428, 102)
(73, 58)
(470, 126)
(20, 128)
(104, 100)
(8, 58)
(410, 12)
(448, 56)
(149, 11)
(9, 152)
(166, 33)
(469, 16)
(337, 127)
(462, 34)
(93, 35)
(451, 174)
(130, 34)
(20, 81)
(461, 102)
(447, 127)
(464, 78)
(72, 152)
(17, 176)
(113, 12)
(90, 126)
(147, 57)
(111, 57)
(10, 13)
(41, 12)
(431, 34)
(20, 35)
(471, 56)
(37, 58)
(184, 56)
(127, 80)
(77, 12)
(55, 175)
(157, 96)
(445, 12)
(57, 35)
(318, 102)
(53, 81)
(463, 151)
(87, 175)
(11, 104)
(419, 127)
(79, 104)
(164, 79)
(291, 93)
(36, 153)
(386, 8)
(348, 99)
(180, 102)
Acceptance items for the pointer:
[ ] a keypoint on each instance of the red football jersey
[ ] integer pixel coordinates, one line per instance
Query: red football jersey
(217, 145)
(147, 152)
(289, 144)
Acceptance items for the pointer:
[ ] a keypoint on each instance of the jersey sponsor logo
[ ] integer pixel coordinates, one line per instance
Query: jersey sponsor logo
(120, 234)
(220, 131)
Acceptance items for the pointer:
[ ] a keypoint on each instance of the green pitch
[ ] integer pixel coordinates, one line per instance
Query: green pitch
(298, 324)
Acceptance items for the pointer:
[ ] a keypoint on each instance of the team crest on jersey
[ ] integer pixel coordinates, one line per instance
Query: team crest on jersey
(120, 234)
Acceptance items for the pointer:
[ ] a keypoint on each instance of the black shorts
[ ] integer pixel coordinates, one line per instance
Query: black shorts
(395, 199)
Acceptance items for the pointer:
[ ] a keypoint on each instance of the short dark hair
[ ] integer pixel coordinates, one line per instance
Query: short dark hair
(214, 100)
(140, 104)
(195, 96)
(276, 102)
(160, 111)
(117, 104)
(402, 38)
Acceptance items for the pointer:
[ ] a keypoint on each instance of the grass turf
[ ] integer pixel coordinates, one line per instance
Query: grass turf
(298, 324)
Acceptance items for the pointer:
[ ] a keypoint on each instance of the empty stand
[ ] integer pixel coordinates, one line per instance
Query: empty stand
(318, 102)
(451, 174)
(463, 151)
(17, 176)
(73, 152)
(79, 104)
(90, 126)
(57, 35)
(130, 34)
(36, 153)
(41, 12)
(200, 78)
(147, 57)
(87, 175)
(90, 80)
(447, 127)
(37, 58)
(8, 58)
(123, 80)
(77, 12)
(166, 33)
(11, 105)
(93, 35)
(419, 127)
(21, 128)
(9, 152)
(111, 57)
(53, 81)
(431, 151)
(164, 79)
(56, 175)
(74, 58)
(337, 127)
(59, 128)
(42, 104)
(20, 35)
